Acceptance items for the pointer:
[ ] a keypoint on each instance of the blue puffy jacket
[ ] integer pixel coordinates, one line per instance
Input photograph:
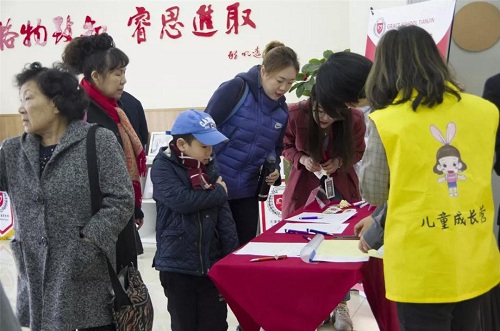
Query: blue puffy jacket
(255, 131)
(194, 228)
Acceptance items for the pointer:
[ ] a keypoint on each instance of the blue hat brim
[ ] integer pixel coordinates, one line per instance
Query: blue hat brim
(210, 138)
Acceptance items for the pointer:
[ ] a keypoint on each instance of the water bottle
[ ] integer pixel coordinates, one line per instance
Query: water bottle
(268, 167)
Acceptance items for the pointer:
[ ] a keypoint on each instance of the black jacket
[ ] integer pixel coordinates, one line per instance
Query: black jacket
(492, 93)
(194, 228)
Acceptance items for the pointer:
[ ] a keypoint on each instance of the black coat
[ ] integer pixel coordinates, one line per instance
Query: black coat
(492, 93)
(194, 228)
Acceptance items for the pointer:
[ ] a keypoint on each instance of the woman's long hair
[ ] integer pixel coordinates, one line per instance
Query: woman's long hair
(408, 60)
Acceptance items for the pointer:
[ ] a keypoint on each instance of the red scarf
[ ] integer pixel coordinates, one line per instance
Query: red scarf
(132, 146)
(197, 171)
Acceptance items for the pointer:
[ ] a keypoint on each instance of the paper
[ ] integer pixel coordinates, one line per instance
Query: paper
(148, 187)
(271, 249)
(325, 227)
(320, 173)
(379, 253)
(324, 218)
(340, 251)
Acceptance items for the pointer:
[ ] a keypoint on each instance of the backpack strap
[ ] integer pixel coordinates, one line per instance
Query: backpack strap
(242, 95)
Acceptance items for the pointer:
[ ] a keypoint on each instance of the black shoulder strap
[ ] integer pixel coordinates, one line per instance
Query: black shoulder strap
(121, 297)
(95, 191)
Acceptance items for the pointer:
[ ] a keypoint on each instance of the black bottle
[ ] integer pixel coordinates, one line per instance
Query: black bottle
(268, 167)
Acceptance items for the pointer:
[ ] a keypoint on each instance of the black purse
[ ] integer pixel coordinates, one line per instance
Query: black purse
(131, 304)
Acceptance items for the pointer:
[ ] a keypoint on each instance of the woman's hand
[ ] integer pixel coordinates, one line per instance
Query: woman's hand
(272, 177)
(139, 222)
(309, 163)
(363, 225)
(363, 246)
(332, 165)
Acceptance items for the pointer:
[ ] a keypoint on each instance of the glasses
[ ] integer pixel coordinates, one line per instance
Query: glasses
(322, 114)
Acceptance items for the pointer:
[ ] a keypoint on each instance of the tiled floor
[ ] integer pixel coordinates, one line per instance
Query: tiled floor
(359, 309)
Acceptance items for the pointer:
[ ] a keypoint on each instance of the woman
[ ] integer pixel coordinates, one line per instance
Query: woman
(255, 130)
(60, 248)
(325, 136)
(323, 133)
(440, 255)
(103, 67)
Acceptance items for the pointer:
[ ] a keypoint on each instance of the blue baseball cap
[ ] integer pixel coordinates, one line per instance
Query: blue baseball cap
(200, 124)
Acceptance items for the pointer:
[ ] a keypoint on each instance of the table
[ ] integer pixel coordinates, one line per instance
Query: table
(290, 295)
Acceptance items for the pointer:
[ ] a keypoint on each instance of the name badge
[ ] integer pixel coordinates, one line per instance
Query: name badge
(329, 188)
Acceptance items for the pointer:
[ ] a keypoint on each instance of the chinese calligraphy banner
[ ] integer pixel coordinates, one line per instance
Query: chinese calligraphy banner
(180, 52)
(435, 17)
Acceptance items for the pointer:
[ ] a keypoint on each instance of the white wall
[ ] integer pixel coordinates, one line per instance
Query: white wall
(183, 72)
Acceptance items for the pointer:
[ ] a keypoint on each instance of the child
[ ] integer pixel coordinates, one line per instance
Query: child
(194, 225)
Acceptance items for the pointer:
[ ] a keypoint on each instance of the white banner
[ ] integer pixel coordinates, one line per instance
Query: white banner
(435, 17)
(6, 218)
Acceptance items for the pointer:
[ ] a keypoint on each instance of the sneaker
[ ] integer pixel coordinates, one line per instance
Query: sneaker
(342, 320)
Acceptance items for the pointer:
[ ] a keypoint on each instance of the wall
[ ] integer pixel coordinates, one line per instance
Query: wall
(168, 73)
(472, 69)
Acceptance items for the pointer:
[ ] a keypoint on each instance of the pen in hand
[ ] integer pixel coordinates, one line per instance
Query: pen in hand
(269, 258)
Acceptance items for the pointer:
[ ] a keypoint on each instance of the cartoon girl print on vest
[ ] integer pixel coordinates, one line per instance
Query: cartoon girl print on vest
(448, 161)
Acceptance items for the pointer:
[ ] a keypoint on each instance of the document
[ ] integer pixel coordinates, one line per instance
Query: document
(324, 218)
(339, 251)
(324, 227)
(271, 249)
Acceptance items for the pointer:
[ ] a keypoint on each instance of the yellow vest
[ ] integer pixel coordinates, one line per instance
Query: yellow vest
(439, 242)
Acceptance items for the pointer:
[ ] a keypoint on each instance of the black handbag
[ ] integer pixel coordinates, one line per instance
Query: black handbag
(131, 304)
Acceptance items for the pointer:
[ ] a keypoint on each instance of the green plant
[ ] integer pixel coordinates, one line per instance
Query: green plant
(305, 80)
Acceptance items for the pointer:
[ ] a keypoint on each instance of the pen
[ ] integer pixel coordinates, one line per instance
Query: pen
(296, 231)
(310, 217)
(306, 237)
(358, 203)
(269, 258)
(346, 237)
(364, 205)
(320, 232)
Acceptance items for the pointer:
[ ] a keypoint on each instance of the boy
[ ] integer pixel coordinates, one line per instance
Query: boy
(194, 225)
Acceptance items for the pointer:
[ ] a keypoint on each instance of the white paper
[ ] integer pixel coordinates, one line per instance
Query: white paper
(325, 227)
(271, 249)
(320, 173)
(324, 218)
(148, 187)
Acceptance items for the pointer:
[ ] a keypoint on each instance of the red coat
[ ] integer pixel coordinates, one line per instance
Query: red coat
(300, 181)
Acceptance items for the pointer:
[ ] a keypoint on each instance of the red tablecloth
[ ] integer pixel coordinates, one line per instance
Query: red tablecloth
(290, 295)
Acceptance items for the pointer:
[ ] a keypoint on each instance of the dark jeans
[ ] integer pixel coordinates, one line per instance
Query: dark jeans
(110, 327)
(194, 303)
(457, 316)
(246, 218)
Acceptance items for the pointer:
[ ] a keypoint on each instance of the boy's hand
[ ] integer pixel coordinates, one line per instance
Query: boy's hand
(222, 183)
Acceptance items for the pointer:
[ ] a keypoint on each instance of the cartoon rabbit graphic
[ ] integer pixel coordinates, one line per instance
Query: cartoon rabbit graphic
(448, 161)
